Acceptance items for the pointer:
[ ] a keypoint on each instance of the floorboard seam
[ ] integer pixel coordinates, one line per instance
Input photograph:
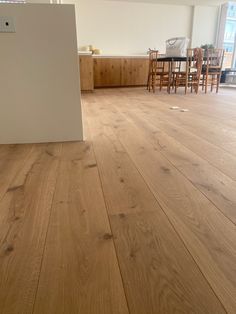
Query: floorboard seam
(108, 217)
(195, 262)
(205, 139)
(190, 179)
(46, 236)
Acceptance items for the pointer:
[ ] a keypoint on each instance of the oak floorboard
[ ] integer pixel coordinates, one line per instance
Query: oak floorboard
(218, 187)
(24, 216)
(132, 221)
(223, 160)
(209, 236)
(204, 105)
(157, 269)
(212, 131)
(207, 128)
(12, 158)
(80, 272)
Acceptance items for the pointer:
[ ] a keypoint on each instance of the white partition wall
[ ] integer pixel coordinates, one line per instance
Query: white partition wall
(39, 79)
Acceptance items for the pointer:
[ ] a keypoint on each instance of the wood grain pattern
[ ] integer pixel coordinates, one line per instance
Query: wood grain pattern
(156, 111)
(80, 268)
(12, 158)
(218, 187)
(107, 72)
(138, 219)
(161, 283)
(204, 229)
(86, 73)
(134, 71)
(25, 211)
(119, 72)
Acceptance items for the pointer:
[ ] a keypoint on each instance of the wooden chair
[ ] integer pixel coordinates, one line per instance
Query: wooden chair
(211, 69)
(152, 57)
(158, 73)
(190, 77)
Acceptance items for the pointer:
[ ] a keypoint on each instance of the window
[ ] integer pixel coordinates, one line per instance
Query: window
(229, 47)
(230, 36)
(232, 11)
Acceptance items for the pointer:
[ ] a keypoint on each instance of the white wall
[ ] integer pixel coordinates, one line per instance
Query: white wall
(120, 27)
(129, 27)
(205, 24)
(39, 81)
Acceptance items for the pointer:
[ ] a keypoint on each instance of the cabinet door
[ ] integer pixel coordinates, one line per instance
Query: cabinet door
(107, 72)
(134, 71)
(86, 73)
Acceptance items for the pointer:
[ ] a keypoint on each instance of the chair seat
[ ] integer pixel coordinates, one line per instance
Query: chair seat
(211, 70)
(159, 73)
(183, 74)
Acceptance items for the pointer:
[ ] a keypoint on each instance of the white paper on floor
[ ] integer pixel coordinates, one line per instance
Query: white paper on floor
(174, 108)
(184, 110)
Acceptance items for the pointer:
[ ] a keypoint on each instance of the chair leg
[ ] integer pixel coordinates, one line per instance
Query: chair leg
(218, 83)
(203, 82)
(160, 82)
(175, 84)
(148, 82)
(154, 83)
(175, 80)
(197, 85)
(206, 83)
(212, 82)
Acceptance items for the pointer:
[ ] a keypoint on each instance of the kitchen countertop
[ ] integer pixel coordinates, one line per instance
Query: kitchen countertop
(85, 53)
(120, 56)
(112, 56)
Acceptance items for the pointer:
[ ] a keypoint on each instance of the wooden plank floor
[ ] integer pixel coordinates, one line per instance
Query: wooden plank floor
(140, 218)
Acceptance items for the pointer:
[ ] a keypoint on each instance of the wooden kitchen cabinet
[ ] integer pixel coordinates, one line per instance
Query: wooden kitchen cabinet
(107, 72)
(134, 71)
(120, 71)
(86, 72)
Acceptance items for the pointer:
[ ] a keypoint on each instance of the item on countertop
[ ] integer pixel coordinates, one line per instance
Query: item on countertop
(84, 48)
(97, 51)
(91, 48)
(177, 47)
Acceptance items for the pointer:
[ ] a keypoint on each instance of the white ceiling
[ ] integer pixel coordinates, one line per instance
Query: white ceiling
(186, 2)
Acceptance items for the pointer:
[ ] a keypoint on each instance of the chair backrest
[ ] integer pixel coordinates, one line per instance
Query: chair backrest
(155, 65)
(214, 58)
(194, 61)
(161, 66)
(153, 54)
